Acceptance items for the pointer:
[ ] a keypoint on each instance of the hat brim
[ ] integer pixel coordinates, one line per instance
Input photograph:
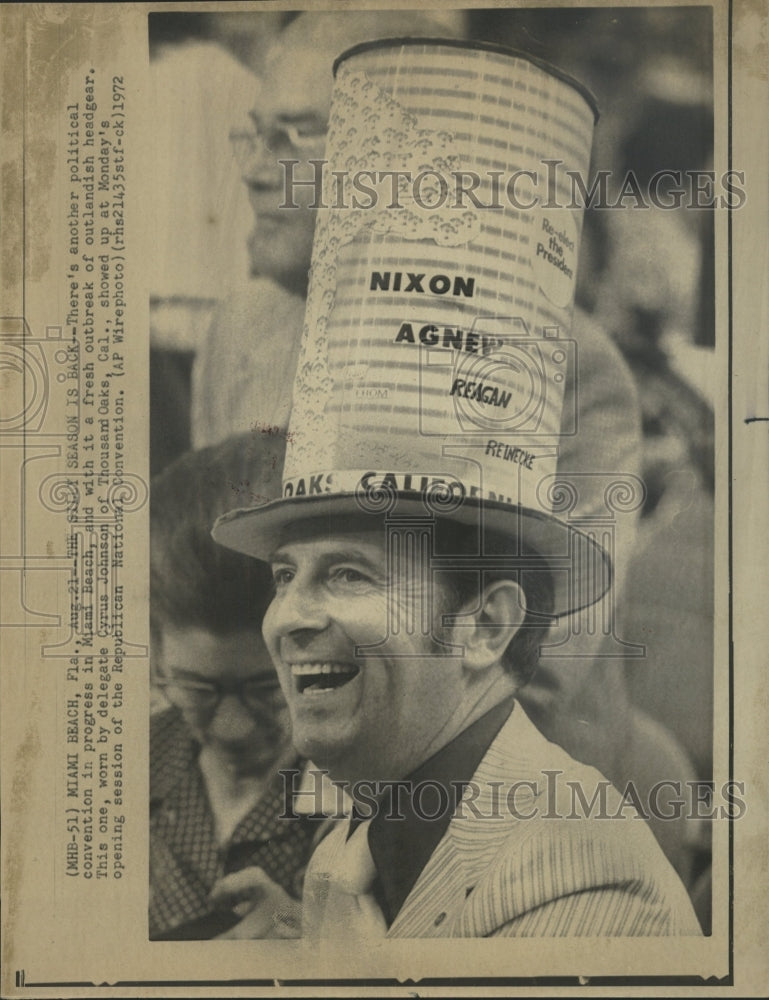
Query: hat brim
(580, 568)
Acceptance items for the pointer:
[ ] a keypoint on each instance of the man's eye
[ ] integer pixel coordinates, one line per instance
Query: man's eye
(280, 577)
(311, 130)
(349, 575)
(194, 687)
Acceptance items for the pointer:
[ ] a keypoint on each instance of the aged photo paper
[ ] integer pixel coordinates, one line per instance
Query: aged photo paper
(154, 292)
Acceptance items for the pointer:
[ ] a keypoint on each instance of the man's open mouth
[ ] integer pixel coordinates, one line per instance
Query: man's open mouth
(314, 677)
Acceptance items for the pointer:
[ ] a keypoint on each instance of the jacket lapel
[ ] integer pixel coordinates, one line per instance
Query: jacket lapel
(482, 824)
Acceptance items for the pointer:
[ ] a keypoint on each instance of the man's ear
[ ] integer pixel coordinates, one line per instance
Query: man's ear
(494, 624)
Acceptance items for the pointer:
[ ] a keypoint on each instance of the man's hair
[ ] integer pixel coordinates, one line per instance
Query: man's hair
(194, 581)
(465, 587)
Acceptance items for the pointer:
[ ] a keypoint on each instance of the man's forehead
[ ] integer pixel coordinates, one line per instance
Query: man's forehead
(183, 650)
(364, 537)
(297, 80)
(335, 31)
(298, 73)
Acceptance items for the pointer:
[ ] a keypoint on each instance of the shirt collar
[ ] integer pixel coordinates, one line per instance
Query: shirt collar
(401, 836)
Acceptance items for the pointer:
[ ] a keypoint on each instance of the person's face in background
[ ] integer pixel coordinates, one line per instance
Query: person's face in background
(246, 725)
(290, 119)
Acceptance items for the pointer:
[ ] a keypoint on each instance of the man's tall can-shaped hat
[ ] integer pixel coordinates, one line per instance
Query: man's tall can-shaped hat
(437, 340)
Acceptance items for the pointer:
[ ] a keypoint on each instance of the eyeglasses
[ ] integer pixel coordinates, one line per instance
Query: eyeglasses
(254, 141)
(257, 694)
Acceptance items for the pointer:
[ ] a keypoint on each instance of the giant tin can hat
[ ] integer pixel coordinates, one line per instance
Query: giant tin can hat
(436, 338)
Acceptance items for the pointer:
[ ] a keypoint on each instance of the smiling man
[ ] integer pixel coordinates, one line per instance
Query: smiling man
(401, 652)
(415, 571)
(467, 821)
(359, 690)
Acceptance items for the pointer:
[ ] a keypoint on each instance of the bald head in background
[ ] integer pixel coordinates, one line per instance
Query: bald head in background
(291, 116)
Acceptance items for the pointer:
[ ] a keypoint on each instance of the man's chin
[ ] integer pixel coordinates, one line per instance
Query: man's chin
(327, 754)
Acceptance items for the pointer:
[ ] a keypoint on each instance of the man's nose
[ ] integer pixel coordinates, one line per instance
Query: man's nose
(301, 607)
(232, 720)
(260, 163)
(262, 170)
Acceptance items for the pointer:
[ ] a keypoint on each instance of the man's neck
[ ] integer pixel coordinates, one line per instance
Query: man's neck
(478, 701)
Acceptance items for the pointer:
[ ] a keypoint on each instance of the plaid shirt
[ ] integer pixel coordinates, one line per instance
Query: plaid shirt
(185, 859)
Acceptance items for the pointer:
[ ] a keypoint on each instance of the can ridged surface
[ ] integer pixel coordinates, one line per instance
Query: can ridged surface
(442, 330)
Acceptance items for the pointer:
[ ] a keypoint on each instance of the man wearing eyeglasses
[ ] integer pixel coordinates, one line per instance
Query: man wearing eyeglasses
(289, 122)
(222, 862)
(245, 366)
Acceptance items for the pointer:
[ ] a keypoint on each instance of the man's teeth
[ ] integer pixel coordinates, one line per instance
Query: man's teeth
(300, 669)
(325, 676)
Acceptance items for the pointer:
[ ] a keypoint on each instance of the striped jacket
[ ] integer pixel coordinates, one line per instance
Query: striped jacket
(498, 873)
